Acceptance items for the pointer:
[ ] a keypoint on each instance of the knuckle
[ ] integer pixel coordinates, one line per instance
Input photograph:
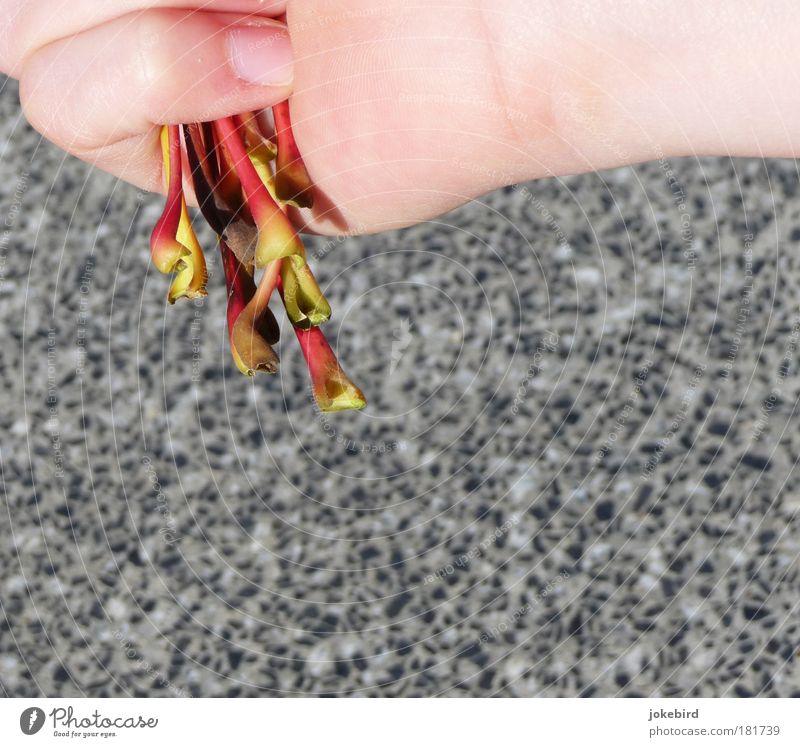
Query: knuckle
(148, 69)
(147, 61)
(30, 103)
(51, 110)
(13, 44)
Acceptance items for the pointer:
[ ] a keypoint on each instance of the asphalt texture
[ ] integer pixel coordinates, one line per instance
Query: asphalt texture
(577, 474)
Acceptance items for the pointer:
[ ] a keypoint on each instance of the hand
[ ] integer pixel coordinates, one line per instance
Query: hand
(403, 110)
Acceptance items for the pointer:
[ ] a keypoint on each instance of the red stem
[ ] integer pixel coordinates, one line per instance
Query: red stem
(167, 225)
(239, 282)
(284, 133)
(316, 349)
(259, 200)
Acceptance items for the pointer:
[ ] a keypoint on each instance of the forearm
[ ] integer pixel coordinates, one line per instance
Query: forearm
(609, 83)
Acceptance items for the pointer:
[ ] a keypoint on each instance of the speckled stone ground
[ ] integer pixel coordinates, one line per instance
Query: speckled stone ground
(577, 474)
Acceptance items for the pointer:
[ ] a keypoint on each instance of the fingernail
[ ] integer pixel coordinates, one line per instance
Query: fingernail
(261, 55)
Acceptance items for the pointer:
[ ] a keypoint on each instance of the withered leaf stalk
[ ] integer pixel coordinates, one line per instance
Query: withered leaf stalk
(243, 181)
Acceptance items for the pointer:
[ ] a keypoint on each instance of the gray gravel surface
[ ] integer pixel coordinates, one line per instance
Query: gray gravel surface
(577, 474)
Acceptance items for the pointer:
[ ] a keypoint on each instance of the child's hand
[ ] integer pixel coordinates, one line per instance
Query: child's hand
(405, 109)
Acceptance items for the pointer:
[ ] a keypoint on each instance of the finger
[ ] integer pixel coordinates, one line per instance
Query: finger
(99, 94)
(31, 24)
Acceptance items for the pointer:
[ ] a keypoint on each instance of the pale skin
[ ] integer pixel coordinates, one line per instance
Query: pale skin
(406, 108)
